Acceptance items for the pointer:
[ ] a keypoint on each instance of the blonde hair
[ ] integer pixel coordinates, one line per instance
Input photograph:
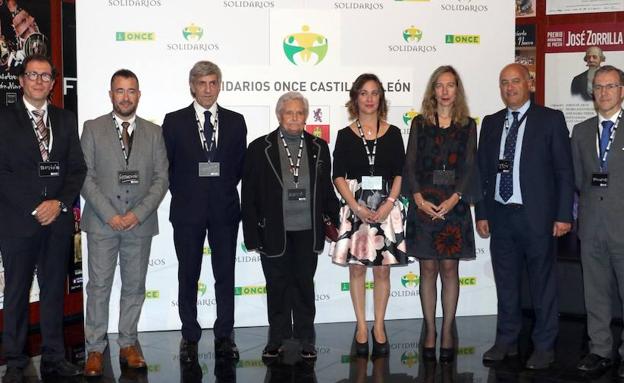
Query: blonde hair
(460, 113)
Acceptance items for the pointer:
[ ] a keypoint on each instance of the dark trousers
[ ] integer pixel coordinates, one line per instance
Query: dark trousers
(189, 245)
(515, 245)
(290, 289)
(50, 254)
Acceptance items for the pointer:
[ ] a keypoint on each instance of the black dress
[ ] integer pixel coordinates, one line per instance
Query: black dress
(359, 242)
(431, 148)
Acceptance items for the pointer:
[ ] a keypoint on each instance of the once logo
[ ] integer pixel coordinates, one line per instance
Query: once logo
(202, 288)
(152, 294)
(300, 47)
(135, 36)
(468, 281)
(192, 33)
(410, 280)
(462, 39)
(412, 34)
(250, 290)
(409, 116)
(368, 285)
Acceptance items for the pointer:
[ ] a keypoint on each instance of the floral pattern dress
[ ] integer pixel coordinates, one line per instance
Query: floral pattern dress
(361, 243)
(430, 148)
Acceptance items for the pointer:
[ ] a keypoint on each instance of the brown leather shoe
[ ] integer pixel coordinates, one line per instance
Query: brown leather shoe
(131, 357)
(93, 366)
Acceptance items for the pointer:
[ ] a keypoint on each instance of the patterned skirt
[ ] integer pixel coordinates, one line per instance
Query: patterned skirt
(371, 244)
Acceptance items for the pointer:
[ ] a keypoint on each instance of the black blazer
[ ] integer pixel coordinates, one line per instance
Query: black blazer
(21, 188)
(194, 198)
(546, 174)
(579, 86)
(263, 216)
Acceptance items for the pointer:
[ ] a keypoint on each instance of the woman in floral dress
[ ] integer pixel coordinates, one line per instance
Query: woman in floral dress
(441, 177)
(368, 163)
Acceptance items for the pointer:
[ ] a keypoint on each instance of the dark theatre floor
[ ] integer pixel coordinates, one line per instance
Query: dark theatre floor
(334, 363)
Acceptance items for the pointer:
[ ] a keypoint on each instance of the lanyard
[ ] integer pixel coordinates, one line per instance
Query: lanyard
(371, 156)
(603, 158)
(200, 128)
(293, 167)
(39, 138)
(124, 150)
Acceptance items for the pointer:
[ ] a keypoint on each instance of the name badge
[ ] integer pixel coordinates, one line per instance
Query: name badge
(128, 177)
(444, 177)
(296, 194)
(49, 169)
(504, 166)
(209, 169)
(600, 179)
(372, 183)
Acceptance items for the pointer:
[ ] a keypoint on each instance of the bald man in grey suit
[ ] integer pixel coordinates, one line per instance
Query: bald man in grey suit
(127, 178)
(598, 154)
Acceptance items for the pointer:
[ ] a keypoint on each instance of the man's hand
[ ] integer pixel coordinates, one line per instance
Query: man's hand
(483, 228)
(561, 228)
(47, 211)
(116, 223)
(130, 220)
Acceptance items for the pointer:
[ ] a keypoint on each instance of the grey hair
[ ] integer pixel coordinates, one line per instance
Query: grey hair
(610, 68)
(204, 68)
(291, 96)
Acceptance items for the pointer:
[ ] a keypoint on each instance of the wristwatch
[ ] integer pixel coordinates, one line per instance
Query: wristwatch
(459, 195)
(63, 207)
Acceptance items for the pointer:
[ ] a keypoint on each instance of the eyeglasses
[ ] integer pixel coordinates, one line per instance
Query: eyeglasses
(33, 76)
(608, 87)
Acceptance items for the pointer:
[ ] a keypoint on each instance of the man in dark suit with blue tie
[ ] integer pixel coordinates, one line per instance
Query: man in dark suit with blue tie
(206, 146)
(527, 180)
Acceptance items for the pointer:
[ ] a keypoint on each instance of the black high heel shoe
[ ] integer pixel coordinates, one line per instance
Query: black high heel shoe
(447, 355)
(380, 349)
(361, 349)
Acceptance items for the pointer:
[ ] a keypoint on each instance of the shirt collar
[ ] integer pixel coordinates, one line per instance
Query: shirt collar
(523, 109)
(30, 107)
(200, 110)
(613, 118)
(131, 120)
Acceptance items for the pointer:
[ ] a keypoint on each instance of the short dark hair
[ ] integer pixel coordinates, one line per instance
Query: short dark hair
(36, 57)
(125, 73)
(610, 68)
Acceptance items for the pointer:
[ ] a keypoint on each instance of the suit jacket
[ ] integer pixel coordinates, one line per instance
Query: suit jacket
(21, 188)
(546, 175)
(104, 196)
(263, 215)
(579, 86)
(600, 208)
(194, 198)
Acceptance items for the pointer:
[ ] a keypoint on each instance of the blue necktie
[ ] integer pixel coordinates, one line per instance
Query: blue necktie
(604, 140)
(208, 128)
(505, 187)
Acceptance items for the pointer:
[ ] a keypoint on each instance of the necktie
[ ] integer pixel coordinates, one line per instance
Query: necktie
(43, 132)
(208, 128)
(604, 140)
(125, 136)
(506, 179)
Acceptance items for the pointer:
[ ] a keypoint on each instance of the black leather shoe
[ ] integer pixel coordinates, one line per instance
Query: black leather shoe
(380, 349)
(499, 352)
(13, 375)
(540, 360)
(59, 368)
(594, 363)
(447, 355)
(188, 351)
(308, 352)
(226, 348)
(271, 351)
(620, 371)
(428, 353)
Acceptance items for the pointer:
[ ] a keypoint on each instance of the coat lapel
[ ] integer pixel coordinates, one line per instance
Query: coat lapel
(272, 155)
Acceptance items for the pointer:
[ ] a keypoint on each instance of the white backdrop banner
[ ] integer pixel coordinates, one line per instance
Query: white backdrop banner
(264, 49)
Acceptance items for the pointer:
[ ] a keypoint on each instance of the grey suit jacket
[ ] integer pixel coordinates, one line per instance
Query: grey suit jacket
(104, 196)
(600, 208)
